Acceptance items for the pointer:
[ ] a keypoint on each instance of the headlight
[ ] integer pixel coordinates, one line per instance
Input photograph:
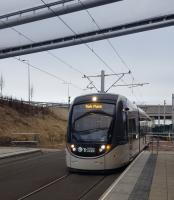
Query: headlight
(73, 148)
(108, 147)
(94, 98)
(102, 148)
(105, 148)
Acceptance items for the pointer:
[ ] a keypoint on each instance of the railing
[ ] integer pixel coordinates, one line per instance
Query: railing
(31, 139)
(24, 143)
(32, 103)
(161, 141)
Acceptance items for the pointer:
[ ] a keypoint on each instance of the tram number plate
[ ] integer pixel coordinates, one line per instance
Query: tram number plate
(90, 150)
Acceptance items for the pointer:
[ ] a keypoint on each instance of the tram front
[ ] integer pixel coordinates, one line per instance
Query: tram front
(89, 133)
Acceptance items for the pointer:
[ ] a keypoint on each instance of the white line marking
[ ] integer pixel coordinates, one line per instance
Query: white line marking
(118, 179)
(43, 187)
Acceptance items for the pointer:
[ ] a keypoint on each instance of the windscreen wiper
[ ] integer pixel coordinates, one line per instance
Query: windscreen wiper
(88, 131)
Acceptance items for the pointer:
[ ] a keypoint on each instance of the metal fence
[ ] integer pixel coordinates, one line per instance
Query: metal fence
(9, 100)
(161, 141)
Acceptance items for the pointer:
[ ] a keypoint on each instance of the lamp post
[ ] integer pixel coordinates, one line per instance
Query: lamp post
(159, 115)
(164, 114)
(29, 89)
(69, 98)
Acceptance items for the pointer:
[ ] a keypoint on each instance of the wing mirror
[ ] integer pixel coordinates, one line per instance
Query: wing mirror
(126, 109)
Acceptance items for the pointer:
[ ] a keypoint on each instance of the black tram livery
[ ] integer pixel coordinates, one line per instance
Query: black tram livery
(105, 131)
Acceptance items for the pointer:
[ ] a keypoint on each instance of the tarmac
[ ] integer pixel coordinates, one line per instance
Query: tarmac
(149, 177)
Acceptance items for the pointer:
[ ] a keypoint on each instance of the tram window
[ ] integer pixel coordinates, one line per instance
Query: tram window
(125, 126)
(121, 117)
(92, 127)
(92, 121)
(132, 128)
(132, 125)
(143, 126)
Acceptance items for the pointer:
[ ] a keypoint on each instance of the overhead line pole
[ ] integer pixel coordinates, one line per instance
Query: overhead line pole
(102, 76)
(29, 84)
(172, 113)
(164, 118)
(102, 81)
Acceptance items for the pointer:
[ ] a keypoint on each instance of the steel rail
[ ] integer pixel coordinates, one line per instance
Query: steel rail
(25, 16)
(43, 187)
(92, 187)
(115, 31)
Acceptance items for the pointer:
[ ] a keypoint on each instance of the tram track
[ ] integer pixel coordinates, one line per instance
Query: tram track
(43, 187)
(91, 188)
(98, 189)
(45, 177)
(89, 193)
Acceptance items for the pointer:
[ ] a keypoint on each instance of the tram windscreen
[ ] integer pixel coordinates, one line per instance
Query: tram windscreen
(91, 122)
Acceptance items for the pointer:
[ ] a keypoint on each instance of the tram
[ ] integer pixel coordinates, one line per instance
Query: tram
(105, 131)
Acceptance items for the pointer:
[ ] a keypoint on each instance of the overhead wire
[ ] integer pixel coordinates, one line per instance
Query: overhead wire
(75, 33)
(48, 73)
(111, 45)
(61, 60)
(53, 55)
(65, 63)
(91, 49)
(108, 40)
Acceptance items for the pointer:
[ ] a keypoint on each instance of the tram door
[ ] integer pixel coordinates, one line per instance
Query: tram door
(130, 135)
(130, 145)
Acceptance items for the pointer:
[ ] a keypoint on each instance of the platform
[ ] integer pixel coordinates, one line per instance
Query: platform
(6, 152)
(163, 181)
(149, 177)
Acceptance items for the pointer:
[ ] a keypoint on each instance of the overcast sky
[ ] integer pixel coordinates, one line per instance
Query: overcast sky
(148, 54)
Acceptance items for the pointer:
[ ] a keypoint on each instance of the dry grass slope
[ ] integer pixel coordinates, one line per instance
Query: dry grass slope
(51, 127)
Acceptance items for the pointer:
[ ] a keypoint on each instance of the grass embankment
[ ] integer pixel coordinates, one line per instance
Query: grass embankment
(23, 119)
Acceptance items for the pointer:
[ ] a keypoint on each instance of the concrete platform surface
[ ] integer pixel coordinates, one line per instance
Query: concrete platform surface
(15, 151)
(124, 187)
(149, 177)
(163, 180)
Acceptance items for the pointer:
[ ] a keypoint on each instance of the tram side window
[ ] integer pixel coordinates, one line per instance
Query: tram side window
(125, 126)
(132, 128)
(143, 126)
(122, 123)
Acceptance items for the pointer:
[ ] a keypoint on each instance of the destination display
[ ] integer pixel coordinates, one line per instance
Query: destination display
(93, 106)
